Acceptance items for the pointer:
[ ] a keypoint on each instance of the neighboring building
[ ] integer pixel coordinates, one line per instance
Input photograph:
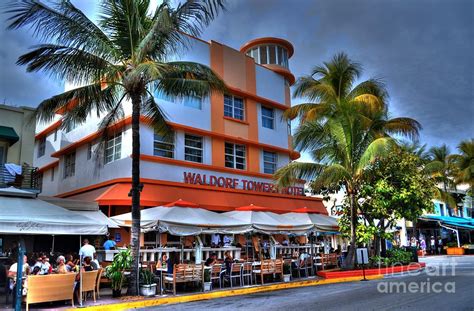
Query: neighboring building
(222, 155)
(17, 133)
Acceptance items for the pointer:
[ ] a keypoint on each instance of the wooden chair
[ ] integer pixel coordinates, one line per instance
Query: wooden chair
(247, 272)
(89, 281)
(329, 260)
(279, 268)
(184, 273)
(303, 265)
(267, 266)
(289, 263)
(97, 282)
(235, 273)
(54, 287)
(216, 274)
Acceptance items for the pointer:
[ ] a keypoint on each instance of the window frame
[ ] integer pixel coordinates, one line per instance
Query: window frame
(234, 156)
(162, 140)
(69, 165)
(116, 148)
(189, 99)
(274, 163)
(41, 147)
(188, 156)
(233, 107)
(264, 117)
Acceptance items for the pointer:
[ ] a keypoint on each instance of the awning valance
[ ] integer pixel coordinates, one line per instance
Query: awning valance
(456, 222)
(8, 133)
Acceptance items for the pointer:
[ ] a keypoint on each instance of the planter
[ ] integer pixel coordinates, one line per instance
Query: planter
(148, 290)
(116, 293)
(207, 286)
(455, 251)
(286, 277)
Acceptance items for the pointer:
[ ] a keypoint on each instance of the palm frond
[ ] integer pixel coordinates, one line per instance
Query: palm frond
(330, 176)
(154, 116)
(380, 147)
(306, 111)
(407, 127)
(192, 16)
(289, 174)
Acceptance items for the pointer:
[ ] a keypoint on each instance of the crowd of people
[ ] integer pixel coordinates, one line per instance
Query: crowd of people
(41, 265)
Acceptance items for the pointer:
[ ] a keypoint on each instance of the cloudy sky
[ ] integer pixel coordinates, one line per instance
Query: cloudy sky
(423, 49)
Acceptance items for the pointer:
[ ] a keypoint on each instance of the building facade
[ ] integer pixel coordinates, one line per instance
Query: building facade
(222, 154)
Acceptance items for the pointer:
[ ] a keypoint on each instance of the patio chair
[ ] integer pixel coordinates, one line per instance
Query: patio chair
(302, 266)
(235, 273)
(279, 268)
(89, 280)
(97, 282)
(247, 273)
(216, 274)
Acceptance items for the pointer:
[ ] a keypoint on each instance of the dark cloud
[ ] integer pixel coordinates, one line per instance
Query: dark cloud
(421, 48)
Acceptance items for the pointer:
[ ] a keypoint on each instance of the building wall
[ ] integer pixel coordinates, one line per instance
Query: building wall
(19, 118)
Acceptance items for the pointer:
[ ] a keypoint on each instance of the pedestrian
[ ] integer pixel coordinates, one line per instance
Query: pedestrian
(432, 246)
(87, 250)
(109, 244)
(440, 246)
(423, 246)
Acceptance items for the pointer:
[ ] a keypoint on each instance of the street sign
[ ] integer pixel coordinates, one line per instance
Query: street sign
(118, 237)
(362, 256)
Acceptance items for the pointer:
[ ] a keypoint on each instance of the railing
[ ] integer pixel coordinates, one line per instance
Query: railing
(29, 178)
(286, 251)
(153, 255)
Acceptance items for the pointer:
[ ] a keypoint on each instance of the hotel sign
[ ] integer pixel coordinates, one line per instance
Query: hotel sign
(236, 183)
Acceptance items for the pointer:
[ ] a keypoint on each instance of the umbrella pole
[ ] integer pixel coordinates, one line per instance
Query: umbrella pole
(52, 246)
(80, 274)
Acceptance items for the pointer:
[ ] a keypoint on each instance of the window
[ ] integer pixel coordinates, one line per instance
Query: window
(69, 165)
(269, 162)
(235, 156)
(193, 102)
(52, 174)
(272, 57)
(113, 148)
(55, 134)
(233, 107)
(193, 148)
(89, 151)
(41, 147)
(268, 117)
(71, 125)
(263, 55)
(441, 209)
(163, 146)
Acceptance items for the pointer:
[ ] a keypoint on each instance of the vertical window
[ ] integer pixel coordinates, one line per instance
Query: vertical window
(69, 165)
(113, 148)
(71, 125)
(193, 102)
(41, 147)
(280, 55)
(163, 146)
(89, 151)
(234, 107)
(268, 117)
(235, 156)
(269, 162)
(55, 134)
(441, 209)
(52, 174)
(272, 54)
(193, 148)
(263, 55)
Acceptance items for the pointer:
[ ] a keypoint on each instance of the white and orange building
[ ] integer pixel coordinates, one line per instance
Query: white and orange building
(223, 153)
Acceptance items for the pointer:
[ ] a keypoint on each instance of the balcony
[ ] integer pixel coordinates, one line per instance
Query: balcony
(29, 179)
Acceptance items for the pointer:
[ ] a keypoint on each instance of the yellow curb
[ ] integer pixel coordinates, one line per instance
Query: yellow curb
(223, 293)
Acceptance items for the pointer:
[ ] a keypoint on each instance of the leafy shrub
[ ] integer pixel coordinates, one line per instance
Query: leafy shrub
(399, 256)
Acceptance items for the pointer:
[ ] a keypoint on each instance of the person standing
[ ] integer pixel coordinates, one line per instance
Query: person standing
(440, 245)
(87, 250)
(432, 246)
(423, 246)
(109, 244)
(12, 276)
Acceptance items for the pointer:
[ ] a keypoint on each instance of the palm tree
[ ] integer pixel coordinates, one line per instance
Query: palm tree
(344, 131)
(124, 56)
(465, 163)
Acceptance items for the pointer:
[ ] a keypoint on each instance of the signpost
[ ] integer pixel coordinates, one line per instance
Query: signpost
(19, 278)
(362, 259)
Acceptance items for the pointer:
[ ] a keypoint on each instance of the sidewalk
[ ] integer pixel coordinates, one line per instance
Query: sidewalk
(140, 302)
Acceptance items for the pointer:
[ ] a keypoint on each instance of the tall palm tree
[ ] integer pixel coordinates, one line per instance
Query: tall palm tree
(343, 132)
(464, 162)
(124, 56)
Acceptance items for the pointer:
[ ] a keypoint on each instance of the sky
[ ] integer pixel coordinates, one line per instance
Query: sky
(422, 49)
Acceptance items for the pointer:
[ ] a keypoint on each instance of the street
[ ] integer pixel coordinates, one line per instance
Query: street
(401, 292)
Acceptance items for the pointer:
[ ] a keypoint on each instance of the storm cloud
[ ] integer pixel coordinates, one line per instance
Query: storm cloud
(422, 49)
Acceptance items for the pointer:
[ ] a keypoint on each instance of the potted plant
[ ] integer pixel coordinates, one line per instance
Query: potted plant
(452, 249)
(286, 272)
(207, 280)
(115, 272)
(147, 283)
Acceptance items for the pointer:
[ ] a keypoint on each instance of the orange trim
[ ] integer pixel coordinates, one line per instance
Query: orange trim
(48, 130)
(157, 159)
(235, 120)
(262, 100)
(281, 71)
(48, 166)
(68, 107)
(268, 40)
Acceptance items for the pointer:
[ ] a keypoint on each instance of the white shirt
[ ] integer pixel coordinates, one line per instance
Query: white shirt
(14, 269)
(44, 267)
(215, 239)
(87, 251)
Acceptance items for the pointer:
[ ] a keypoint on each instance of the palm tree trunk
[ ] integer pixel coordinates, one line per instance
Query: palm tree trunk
(350, 258)
(135, 191)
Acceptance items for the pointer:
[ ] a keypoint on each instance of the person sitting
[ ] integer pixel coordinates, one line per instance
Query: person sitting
(88, 264)
(43, 264)
(35, 271)
(109, 244)
(227, 241)
(228, 260)
(212, 260)
(161, 264)
(70, 265)
(62, 267)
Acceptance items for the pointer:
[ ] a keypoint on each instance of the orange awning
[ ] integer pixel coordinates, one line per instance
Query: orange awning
(211, 198)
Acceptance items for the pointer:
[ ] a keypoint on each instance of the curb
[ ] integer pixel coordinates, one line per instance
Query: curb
(223, 293)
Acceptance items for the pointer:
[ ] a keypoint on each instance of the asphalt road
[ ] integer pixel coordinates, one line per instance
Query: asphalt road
(401, 292)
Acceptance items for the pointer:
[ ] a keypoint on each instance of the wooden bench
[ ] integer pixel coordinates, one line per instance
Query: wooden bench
(329, 260)
(54, 287)
(184, 273)
(269, 266)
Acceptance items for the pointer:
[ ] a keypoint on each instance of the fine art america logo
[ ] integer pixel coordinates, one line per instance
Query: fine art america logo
(29, 226)
(429, 285)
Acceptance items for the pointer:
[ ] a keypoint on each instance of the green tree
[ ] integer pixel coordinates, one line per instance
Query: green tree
(392, 188)
(464, 162)
(344, 130)
(124, 56)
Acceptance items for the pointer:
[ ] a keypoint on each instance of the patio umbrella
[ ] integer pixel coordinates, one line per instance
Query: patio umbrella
(321, 222)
